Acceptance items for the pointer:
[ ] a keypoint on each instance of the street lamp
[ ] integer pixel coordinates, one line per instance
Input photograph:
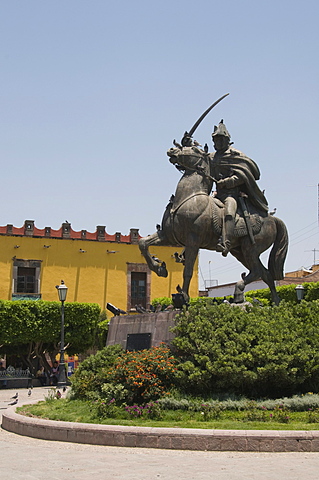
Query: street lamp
(62, 291)
(300, 290)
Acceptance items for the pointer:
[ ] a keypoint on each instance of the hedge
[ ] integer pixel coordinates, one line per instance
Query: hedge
(258, 351)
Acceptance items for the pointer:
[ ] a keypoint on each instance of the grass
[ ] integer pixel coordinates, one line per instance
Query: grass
(87, 412)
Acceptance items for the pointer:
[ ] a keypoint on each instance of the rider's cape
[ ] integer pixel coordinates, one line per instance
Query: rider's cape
(247, 170)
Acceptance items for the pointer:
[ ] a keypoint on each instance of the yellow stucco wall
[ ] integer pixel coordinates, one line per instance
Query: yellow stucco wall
(93, 276)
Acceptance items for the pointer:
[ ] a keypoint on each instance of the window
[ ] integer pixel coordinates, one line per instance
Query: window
(26, 279)
(138, 289)
(138, 285)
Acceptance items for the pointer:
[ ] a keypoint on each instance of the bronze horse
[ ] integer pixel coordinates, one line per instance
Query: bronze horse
(193, 219)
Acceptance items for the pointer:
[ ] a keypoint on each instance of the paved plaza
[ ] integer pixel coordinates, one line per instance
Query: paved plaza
(24, 458)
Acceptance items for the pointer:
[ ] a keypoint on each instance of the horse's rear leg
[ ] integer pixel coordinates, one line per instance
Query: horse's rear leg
(268, 278)
(153, 263)
(240, 286)
(250, 258)
(260, 272)
(256, 271)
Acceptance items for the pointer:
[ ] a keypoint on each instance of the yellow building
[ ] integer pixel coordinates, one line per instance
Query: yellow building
(96, 267)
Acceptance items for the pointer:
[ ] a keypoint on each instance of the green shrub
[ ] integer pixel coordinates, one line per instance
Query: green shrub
(296, 403)
(163, 301)
(313, 416)
(255, 413)
(311, 291)
(286, 293)
(269, 351)
(114, 393)
(256, 352)
(211, 412)
(170, 403)
(105, 408)
(153, 411)
(91, 375)
(281, 414)
(150, 410)
(102, 330)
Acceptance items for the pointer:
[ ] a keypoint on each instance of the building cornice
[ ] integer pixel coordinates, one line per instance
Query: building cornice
(67, 232)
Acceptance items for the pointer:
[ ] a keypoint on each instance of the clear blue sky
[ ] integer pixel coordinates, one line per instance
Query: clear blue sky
(93, 93)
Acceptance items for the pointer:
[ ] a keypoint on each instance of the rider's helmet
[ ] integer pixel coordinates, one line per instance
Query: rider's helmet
(221, 130)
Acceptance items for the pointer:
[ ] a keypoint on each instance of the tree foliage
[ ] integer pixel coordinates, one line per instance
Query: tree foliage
(29, 328)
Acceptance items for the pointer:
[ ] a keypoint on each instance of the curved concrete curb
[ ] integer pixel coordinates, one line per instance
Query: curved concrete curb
(164, 438)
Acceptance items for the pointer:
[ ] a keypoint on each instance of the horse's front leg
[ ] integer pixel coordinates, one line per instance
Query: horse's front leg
(191, 253)
(154, 263)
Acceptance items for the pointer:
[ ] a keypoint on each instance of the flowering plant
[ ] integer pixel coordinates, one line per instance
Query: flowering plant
(281, 414)
(150, 410)
(105, 408)
(145, 374)
(210, 412)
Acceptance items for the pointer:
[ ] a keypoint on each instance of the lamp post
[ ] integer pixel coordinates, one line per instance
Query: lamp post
(300, 290)
(62, 291)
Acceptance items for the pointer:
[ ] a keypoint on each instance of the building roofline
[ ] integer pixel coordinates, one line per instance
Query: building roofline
(67, 232)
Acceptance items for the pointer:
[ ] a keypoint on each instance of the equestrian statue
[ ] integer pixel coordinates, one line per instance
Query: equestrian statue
(233, 219)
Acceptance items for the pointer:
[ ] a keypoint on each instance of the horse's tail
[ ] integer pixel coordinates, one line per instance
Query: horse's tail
(279, 251)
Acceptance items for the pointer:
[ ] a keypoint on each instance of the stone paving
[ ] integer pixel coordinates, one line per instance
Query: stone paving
(27, 458)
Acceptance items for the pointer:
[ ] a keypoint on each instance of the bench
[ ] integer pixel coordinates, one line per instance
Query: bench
(15, 376)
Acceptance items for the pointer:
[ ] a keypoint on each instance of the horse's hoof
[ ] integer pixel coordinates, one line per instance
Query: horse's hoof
(239, 298)
(277, 301)
(220, 247)
(162, 271)
(226, 248)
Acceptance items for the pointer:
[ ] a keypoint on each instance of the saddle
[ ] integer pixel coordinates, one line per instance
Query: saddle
(256, 220)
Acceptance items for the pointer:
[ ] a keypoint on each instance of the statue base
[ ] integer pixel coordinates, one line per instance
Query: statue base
(137, 332)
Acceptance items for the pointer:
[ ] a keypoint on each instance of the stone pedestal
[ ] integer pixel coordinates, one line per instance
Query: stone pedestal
(151, 328)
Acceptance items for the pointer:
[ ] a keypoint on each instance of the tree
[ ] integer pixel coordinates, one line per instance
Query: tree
(31, 329)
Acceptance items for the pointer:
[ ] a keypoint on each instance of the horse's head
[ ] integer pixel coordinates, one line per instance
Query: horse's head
(186, 157)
